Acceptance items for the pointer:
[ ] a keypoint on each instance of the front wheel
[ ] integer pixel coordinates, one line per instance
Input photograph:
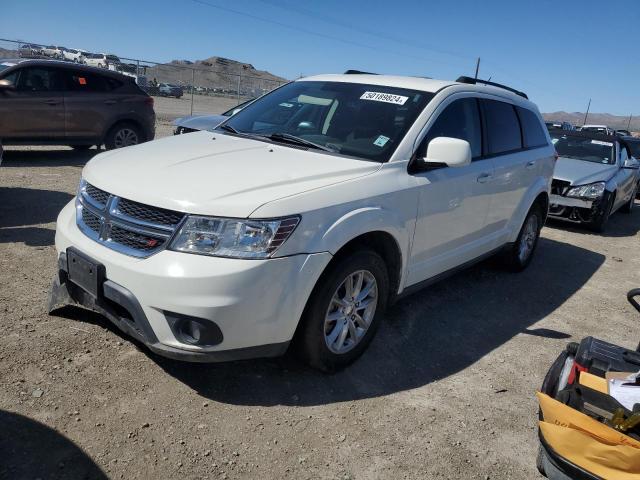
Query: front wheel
(600, 218)
(519, 254)
(628, 207)
(344, 311)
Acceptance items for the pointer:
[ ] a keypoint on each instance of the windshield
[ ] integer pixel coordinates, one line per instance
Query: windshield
(364, 121)
(584, 148)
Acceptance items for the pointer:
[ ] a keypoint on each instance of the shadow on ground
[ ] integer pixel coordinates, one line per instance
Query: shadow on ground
(428, 336)
(47, 158)
(620, 224)
(23, 209)
(29, 449)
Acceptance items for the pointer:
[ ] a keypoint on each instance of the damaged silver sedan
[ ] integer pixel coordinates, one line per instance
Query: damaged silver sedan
(595, 176)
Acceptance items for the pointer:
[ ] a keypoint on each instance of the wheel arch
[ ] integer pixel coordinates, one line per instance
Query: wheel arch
(125, 119)
(538, 194)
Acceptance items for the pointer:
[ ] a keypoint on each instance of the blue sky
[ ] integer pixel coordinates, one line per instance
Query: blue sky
(560, 52)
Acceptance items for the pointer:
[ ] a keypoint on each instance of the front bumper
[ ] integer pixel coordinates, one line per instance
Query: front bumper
(561, 201)
(256, 304)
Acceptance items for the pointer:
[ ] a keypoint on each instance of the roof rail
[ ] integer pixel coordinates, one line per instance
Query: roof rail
(358, 72)
(474, 81)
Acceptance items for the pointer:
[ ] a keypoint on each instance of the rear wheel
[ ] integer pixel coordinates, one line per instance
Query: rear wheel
(519, 254)
(123, 134)
(344, 311)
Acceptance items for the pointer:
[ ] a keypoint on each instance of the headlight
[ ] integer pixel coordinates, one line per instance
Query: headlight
(227, 237)
(591, 191)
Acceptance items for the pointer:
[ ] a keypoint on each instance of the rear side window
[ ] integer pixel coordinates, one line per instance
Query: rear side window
(503, 127)
(38, 79)
(460, 119)
(531, 129)
(78, 81)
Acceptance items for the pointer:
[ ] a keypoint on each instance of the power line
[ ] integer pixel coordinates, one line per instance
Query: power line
(316, 33)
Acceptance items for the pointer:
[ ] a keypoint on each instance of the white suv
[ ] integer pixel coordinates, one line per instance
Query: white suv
(303, 216)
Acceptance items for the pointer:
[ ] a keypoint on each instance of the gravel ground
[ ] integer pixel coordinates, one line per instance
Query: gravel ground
(445, 391)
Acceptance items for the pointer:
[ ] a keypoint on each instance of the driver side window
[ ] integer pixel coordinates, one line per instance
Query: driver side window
(460, 119)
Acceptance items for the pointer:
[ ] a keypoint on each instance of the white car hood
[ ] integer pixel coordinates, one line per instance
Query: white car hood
(226, 176)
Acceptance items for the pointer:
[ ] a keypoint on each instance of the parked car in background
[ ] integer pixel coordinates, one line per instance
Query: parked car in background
(623, 133)
(602, 129)
(560, 125)
(53, 51)
(102, 60)
(194, 123)
(595, 176)
(348, 190)
(56, 103)
(168, 90)
(29, 50)
(73, 55)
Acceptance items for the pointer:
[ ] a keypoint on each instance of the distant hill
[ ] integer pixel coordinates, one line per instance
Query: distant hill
(215, 72)
(4, 53)
(577, 118)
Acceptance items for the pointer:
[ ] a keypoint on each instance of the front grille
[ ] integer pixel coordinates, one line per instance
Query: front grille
(149, 214)
(129, 227)
(91, 220)
(559, 187)
(97, 195)
(135, 240)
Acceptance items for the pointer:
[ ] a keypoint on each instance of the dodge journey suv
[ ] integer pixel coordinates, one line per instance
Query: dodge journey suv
(297, 221)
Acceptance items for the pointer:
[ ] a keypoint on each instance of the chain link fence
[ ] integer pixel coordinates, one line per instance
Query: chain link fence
(181, 87)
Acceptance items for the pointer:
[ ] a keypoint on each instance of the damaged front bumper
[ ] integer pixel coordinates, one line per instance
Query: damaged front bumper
(576, 209)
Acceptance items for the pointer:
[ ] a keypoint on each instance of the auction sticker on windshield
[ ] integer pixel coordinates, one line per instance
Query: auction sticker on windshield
(599, 142)
(384, 97)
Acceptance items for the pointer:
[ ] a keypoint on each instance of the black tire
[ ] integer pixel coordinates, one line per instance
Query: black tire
(81, 147)
(599, 222)
(512, 257)
(628, 207)
(114, 136)
(310, 343)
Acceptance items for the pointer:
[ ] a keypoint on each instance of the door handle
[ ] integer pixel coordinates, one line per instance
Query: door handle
(109, 102)
(52, 102)
(531, 164)
(484, 178)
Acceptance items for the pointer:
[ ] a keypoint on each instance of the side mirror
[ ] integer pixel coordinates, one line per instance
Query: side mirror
(6, 85)
(451, 152)
(631, 163)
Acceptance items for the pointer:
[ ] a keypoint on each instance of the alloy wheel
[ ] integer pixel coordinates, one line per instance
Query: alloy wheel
(351, 311)
(125, 137)
(528, 240)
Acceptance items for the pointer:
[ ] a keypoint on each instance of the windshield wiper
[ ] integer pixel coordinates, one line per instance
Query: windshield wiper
(287, 137)
(229, 128)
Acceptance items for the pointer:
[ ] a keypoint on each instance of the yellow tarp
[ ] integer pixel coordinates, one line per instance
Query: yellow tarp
(588, 443)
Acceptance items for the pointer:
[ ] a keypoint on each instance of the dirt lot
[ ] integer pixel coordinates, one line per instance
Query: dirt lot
(171, 108)
(445, 391)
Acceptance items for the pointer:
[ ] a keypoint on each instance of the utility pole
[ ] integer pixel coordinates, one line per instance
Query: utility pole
(586, 114)
(629, 123)
(477, 68)
(193, 82)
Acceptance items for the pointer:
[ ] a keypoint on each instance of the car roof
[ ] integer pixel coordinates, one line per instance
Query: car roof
(629, 138)
(590, 135)
(413, 83)
(62, 63)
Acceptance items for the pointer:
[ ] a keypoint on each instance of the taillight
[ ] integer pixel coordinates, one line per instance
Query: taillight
(149, 101)
(555, 156)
